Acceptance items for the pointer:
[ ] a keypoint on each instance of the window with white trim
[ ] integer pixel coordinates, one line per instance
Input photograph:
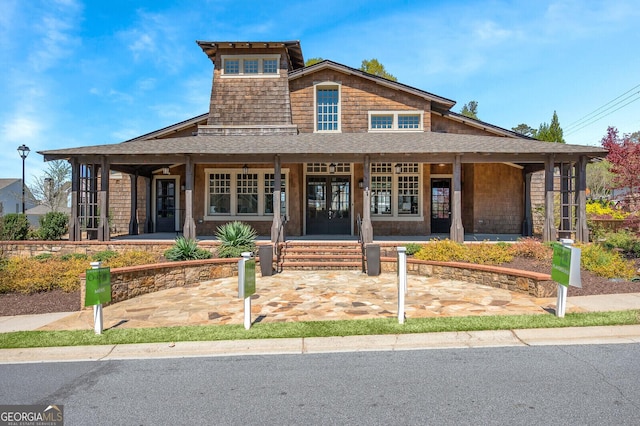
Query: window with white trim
(395, 190)
(250, 66)
(233, 193)
(401, 121)
(269, 186)
(327, 102)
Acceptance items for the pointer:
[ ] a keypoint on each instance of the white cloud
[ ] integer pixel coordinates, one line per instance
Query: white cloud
(21, 129)
(55, 28)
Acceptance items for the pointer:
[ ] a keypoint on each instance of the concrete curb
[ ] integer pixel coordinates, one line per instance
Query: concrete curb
(316, 345)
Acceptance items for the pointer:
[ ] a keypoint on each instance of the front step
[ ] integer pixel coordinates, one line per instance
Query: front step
(339, 255)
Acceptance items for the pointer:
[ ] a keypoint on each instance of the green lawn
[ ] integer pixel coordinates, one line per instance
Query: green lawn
(32, 339)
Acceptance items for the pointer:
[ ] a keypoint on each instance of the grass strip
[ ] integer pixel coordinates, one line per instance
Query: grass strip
(33, 339)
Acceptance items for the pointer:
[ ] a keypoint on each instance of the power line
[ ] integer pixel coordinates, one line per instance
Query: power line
(603, 112)
(605, 115)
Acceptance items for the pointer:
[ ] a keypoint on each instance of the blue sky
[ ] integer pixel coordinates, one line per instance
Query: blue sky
(80, 73)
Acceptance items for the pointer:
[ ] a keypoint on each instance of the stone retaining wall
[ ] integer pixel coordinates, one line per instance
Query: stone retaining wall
(531, 283)
(132, 281)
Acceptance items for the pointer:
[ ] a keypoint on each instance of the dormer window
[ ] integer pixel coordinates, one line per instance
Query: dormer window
(250, 66)
(399, 121)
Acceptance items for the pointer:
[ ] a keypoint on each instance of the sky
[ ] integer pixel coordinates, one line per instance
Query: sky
(77, 73)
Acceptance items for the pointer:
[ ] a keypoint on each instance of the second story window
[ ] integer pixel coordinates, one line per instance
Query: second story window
(398, 121)
(327, 116)
(250, 66)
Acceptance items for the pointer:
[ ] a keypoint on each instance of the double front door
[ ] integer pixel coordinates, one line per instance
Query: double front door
(328, 205)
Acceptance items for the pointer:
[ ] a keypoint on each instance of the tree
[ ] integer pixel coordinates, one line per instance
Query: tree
(624, 156)
(551, 132)
(312, 61)
(470, 109)
(374, 67)
(599, 179)
(525, 130)
(53, 186)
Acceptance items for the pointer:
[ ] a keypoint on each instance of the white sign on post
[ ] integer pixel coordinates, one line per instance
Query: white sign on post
(402, 281)
(565, 270)
(246, 284)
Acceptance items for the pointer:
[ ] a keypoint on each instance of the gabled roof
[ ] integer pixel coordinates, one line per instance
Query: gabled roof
(326, 64)
(8, 182)
(174, 128)
(479, 124)
(296, 60)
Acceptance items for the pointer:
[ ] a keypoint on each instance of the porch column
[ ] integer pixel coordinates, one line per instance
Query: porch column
(75, 233)
(133, 221)
(527, 225)
(277, 233)
(103, 226)
(148, 221)
(582, 231)
(457, 230)
(367, 228)
(565, 207)
(189, 230)
(549, 230)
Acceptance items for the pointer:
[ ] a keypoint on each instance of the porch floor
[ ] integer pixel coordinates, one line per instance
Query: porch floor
(170, 236)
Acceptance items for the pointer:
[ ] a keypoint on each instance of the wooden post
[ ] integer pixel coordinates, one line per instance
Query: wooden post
(276, 231)
(367, 227)
(527, 225)
(103, 227)
(189, 230)
(133, 221)
(549, 230)
(457, 230)
(582, 231)
(75, 233)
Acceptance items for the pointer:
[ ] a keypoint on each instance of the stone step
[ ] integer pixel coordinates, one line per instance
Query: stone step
(320, 255)
(320, 265)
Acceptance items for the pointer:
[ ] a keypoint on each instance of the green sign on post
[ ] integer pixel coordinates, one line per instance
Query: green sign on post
(565, 266)
(98, 286)
(247, 283)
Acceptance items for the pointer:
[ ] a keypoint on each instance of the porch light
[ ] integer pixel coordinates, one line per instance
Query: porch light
(245, 169)
(165, 171)
(360, 184)
(332, 168)
(398, 168)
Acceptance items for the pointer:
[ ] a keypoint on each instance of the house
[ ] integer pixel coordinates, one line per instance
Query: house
(317, 150)
(11, 196)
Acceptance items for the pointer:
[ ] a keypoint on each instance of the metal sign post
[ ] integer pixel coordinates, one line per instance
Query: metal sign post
(565, 270)
(246, 284)
(402, 282)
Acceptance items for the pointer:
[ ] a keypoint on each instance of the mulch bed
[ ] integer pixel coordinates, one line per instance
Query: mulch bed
(59, 301)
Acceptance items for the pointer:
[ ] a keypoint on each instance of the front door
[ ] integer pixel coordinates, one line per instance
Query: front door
(165, 205)
(440, 205)
(328, 205)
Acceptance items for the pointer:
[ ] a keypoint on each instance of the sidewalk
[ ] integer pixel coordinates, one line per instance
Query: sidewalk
(316, 296)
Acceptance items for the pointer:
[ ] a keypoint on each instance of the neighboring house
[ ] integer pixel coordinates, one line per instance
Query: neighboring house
(11, 196)
(320, 146)
(35, 213)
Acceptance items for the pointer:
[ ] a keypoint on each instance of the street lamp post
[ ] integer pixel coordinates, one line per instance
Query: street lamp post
(24, 151)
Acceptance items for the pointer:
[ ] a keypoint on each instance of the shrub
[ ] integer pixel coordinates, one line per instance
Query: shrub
(15, 226)
(70, 256)
(186, 249)
(442, 251)
(530, 247)
(53, 226)
(488, 254)
(43, 257)
(235, 237)
(131, 258)
(604, 262)
(413, 248)
(604, 210)
(104, 256)
(624, 240)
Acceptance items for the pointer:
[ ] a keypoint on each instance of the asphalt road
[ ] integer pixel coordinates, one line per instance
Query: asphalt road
(568, 385)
